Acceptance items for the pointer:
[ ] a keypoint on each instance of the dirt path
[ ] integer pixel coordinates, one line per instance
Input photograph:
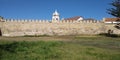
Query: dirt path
(51, 38)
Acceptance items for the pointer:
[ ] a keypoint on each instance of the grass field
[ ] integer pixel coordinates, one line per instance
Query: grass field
(60, 48)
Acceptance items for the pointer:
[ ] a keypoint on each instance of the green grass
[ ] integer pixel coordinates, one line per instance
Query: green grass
(72, 48)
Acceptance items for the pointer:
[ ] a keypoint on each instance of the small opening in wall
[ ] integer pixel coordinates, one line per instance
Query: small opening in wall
(56, 18)
(0, 32)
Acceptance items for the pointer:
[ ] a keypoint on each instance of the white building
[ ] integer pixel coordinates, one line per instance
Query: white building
(55, 17)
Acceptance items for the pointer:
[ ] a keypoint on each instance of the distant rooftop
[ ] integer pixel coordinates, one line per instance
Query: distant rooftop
(111, 19)
(73, 18)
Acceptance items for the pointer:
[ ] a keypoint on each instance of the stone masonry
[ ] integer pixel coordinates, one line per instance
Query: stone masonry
(44, 27)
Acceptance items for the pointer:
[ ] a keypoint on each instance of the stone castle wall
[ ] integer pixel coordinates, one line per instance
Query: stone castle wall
(44, 27)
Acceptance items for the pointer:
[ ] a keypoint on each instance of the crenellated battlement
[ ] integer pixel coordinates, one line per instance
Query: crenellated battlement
(21, 27)
(49, 21)
(25, 20)
(82, 21)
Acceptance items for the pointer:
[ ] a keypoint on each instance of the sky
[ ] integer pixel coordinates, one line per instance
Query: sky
(43, 9)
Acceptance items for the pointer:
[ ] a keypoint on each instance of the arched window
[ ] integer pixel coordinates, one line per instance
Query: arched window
(56, 18)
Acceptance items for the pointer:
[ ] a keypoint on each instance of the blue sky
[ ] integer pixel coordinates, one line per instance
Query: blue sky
(43, 9)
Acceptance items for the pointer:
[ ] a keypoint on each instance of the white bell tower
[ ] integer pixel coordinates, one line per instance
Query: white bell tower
(55, 17)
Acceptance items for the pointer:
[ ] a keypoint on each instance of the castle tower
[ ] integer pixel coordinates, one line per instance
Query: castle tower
(55, 17)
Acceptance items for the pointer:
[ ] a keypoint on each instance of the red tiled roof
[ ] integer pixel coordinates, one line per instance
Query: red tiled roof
(111, 19)
(73, 18)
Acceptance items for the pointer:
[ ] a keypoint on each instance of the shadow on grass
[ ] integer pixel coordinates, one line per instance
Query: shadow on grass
(42, 49)
(110, 35)
(9, 47)
(14, 47)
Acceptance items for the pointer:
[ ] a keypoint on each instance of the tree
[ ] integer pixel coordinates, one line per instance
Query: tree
(115, 10)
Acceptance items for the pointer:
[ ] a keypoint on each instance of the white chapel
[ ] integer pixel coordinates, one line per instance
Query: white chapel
(55, 17)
